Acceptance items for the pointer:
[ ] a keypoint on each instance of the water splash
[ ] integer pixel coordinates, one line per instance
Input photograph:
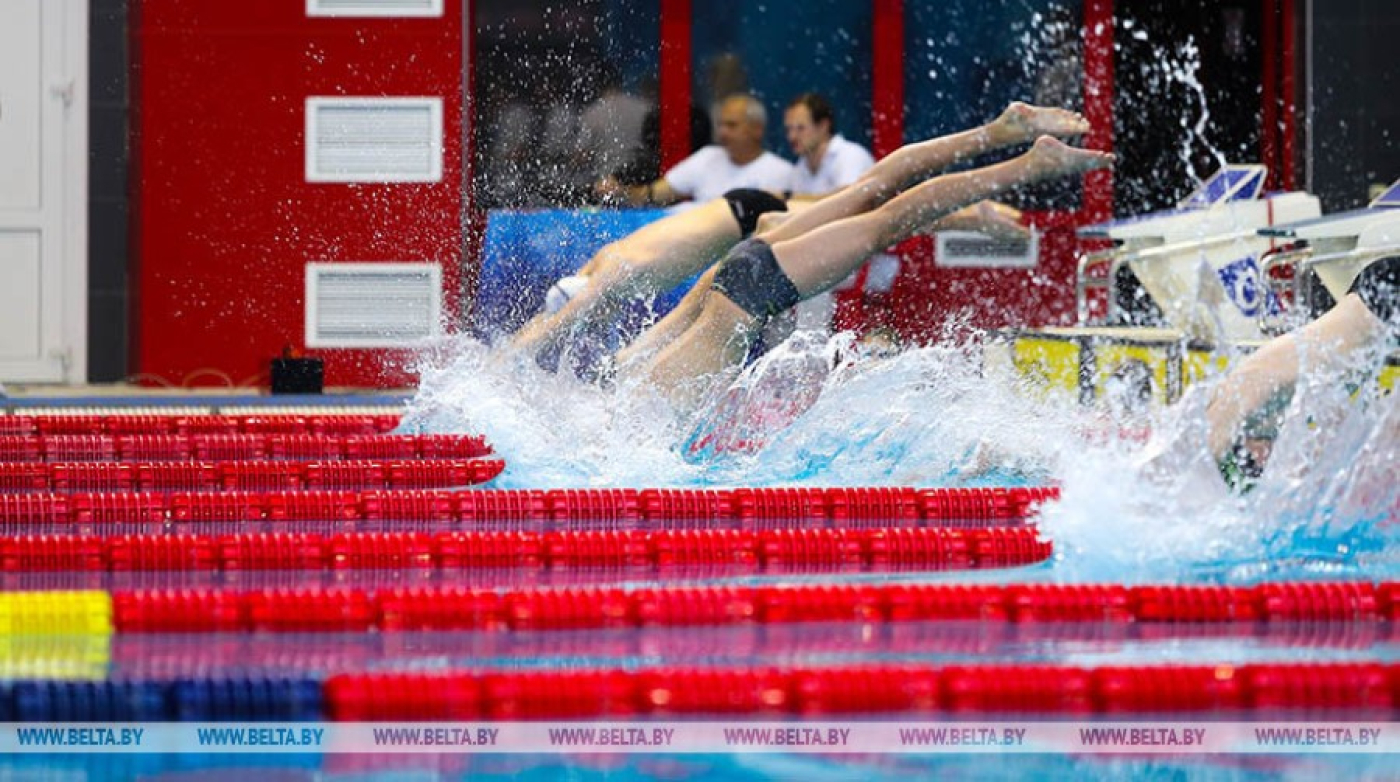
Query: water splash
(808, 411)
(941, 416)
(1324, 508)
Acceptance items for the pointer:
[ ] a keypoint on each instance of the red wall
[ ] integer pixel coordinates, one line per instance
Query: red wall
(925, 294)
(223, 219)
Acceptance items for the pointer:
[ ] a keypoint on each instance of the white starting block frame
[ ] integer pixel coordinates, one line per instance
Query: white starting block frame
(1333, 249)
(1200, 262)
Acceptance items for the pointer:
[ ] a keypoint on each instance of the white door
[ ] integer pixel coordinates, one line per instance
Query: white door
(43, 190)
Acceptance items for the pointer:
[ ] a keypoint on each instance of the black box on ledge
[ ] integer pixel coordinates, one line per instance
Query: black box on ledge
(298, 375)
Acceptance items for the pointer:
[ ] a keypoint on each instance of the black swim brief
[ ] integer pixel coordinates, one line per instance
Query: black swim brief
(750, 277)
(1378, 285)
(748, 205)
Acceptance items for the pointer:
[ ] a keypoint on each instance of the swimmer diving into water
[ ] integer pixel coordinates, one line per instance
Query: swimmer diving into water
(702, 342)
(1368, 315)
(666, 253)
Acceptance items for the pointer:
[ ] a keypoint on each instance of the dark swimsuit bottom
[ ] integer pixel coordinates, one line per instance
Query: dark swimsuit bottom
(1378, 285)
(750, 277)
(748, 205)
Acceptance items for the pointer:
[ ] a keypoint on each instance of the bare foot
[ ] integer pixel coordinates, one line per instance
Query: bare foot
(1051, 157)
(1022, 122)
(1000, 221)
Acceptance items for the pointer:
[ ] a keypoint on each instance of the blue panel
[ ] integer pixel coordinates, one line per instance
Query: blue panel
(526, 251)
(1390, 198)
(1232, 183)
(1213, 190)
(1250, 189)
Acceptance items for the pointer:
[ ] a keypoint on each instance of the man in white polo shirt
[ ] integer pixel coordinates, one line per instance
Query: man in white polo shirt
(737, 161)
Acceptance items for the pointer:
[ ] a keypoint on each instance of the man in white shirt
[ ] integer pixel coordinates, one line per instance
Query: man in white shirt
(826, 162)
(738, 161)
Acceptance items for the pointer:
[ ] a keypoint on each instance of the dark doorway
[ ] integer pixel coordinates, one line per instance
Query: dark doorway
(1187, 97)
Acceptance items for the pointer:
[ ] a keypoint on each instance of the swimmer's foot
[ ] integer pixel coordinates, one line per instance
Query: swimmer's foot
(1051, 157)
(990, 218)
(1000, 221)
(1022, 122)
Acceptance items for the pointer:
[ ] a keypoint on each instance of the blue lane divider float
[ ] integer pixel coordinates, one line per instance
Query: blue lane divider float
(235, 698)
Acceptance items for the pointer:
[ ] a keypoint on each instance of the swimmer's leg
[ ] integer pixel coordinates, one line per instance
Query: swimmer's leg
(1018, 124)
(650, 260)
(822, 257)
(675, 322)
(686, 369)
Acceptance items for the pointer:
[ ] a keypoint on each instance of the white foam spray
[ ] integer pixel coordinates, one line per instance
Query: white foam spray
(940, 416)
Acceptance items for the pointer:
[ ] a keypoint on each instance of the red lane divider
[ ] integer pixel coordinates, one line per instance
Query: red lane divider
(264, 476)
(157, 424)
(246, 446)
(760, 510)
(775, 550)
(1259, 689)
(457, 608)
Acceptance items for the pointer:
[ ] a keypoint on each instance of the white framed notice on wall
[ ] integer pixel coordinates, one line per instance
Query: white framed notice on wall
(374, 8)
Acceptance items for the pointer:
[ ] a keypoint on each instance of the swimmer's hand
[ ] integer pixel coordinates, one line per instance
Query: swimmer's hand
(610, 192)
(1177, 461)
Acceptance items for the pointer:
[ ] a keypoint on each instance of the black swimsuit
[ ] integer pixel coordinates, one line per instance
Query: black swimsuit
(748, 205)
(1378, 285)
(750, 277)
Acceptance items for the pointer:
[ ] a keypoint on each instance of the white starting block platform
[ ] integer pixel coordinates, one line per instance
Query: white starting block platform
(1200, 262)
(1335, 248)
(1205, 266)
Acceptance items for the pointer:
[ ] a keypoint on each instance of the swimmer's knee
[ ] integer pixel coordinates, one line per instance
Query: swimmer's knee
(617, 266)
(769, 221)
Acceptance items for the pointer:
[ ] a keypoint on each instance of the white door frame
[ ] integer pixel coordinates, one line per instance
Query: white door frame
(76, 48)
(62, 218)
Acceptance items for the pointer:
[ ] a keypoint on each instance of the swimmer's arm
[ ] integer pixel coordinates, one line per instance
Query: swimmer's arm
(1331, 340)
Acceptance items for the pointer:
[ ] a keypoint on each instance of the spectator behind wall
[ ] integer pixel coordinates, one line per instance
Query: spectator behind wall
(611, 128)
(737, 161)
(827, 162)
